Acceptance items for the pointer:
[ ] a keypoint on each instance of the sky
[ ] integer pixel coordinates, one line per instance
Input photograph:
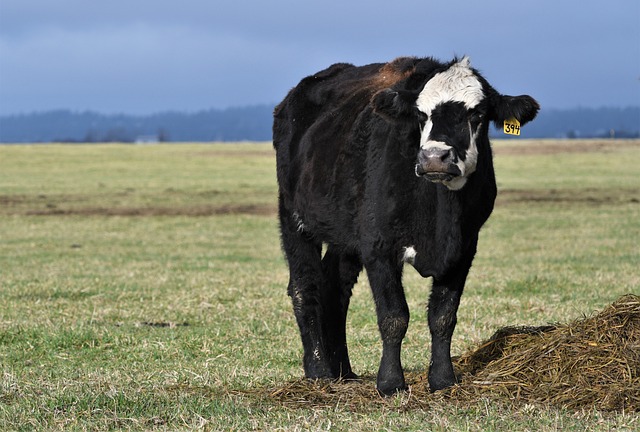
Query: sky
(149, 56)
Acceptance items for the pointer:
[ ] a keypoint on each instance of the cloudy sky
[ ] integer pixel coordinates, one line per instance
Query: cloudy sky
(145, 56)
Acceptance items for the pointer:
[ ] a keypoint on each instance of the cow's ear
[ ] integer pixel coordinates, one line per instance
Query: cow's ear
(395, 105)
(523, 108)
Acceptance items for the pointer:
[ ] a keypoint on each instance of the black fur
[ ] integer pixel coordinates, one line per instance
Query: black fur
(347, 140)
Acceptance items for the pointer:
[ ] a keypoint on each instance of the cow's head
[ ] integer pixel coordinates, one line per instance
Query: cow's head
(454, 107)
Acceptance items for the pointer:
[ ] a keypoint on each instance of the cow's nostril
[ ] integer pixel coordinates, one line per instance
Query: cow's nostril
(435, 153)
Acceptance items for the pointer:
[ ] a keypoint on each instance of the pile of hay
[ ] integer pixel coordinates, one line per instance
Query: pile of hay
(591, 363)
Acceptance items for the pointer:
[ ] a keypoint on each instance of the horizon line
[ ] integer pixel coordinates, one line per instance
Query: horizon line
(239, 107)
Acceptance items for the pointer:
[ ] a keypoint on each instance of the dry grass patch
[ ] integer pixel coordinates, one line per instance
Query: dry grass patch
(589, 363)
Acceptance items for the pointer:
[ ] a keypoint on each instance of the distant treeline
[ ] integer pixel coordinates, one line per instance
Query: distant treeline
(585, 123)
(253, 123)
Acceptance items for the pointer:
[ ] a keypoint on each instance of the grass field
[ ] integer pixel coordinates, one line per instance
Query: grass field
(143, 287)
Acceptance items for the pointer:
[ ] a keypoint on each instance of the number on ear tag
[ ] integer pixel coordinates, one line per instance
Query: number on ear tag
(512, 127)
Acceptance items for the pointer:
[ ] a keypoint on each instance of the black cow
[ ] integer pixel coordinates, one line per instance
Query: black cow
(385, 164)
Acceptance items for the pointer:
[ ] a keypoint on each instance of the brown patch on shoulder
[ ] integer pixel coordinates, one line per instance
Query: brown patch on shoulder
(394, 71)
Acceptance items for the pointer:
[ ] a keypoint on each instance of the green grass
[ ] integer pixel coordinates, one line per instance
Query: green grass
(143, 287)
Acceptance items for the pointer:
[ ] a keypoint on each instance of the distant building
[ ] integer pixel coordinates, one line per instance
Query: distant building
(147, 139)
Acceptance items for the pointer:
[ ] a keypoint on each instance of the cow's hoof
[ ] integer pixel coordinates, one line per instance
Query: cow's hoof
(319, 377)
(442, 382)
(349, 376)
(318, 370)
(390, 388)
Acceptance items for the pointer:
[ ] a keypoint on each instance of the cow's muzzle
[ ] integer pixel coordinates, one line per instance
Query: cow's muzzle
(437, 164)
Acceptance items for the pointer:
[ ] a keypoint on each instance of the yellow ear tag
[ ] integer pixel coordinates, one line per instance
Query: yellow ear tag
(512, 127)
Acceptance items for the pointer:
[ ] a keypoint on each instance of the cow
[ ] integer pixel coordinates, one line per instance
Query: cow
(378, 166)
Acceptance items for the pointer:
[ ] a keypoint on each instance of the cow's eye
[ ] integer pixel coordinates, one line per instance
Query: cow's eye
(476, 116)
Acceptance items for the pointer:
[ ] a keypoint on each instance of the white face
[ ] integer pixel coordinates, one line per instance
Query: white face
(456, 84)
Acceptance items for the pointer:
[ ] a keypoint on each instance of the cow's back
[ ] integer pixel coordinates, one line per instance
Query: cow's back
(317, 96)
(317, 117)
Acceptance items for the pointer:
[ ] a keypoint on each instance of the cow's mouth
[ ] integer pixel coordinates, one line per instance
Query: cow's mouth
(438, 177)
(447, 173)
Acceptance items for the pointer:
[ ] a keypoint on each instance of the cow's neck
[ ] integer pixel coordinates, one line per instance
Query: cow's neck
(458, 216)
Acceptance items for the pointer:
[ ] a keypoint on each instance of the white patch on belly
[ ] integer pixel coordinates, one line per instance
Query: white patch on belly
(409, 255)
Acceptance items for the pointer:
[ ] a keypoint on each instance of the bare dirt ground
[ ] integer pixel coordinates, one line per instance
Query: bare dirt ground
(543, 147)
(569, 196)
(196, 211)
(72, 205)
(83, 205)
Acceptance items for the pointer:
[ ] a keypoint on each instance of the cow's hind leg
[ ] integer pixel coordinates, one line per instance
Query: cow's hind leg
(306, 283)
(341, 273)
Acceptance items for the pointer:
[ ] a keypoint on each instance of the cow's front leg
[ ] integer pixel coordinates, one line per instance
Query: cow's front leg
(442, 317)
(443, 307)
(385, 278)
